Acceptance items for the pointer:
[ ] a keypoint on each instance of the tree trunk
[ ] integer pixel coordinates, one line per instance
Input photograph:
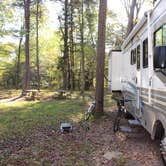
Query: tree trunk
(26, 82)
(99, 93)
(37, 44)
(66, 49)
(131, 17)
(18, 60)
(71, 46)
(82, 50)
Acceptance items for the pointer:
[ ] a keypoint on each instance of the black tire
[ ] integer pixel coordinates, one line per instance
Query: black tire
(163, 150)
(116, 122)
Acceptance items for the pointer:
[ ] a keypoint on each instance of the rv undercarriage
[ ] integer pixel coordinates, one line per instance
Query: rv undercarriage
(122, 113)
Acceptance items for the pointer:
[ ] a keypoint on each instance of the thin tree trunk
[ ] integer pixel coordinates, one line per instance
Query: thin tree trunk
(26, 82)
(71, 47)
(37, 44)
(18, 60)
(82, 50)
(99, 94)
(66, 50)
(131, 17)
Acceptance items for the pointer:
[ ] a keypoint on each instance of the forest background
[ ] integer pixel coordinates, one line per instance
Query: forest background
(52, 44)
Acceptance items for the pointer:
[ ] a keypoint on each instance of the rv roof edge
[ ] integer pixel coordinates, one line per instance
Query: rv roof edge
(134, 31)
(114, 51)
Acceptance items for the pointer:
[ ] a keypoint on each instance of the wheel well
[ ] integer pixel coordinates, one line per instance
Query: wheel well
(159, 130)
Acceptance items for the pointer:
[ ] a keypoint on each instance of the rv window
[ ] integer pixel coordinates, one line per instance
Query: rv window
(138, 57)
(164, 35)
(145, 53)
(158, 38)
(131, 57)
(134, 56)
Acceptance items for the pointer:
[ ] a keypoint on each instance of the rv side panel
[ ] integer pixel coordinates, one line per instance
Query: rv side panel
(115, 69)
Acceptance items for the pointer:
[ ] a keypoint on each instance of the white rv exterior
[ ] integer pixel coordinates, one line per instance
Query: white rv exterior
(143, 82)
(115, 70)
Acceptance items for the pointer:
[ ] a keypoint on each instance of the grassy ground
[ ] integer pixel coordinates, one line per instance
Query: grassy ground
(29, 134)
(24, 120)
(20, 118)
(17, 118)
(9, 93)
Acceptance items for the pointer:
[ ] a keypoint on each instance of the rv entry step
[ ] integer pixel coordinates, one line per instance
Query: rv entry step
(134, 122)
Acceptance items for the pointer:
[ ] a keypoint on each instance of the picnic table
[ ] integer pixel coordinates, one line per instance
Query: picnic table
(62, 94)
(32, 94)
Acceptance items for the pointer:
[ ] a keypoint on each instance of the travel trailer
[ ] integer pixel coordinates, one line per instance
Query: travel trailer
(139, 72)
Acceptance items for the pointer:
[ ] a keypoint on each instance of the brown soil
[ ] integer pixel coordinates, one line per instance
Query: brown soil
(86, 145)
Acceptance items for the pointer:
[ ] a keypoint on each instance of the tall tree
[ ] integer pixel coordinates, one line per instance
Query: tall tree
(72, 45)
(99, 93)
(82, 49)
(66, 48)
(37, 44)
(19, 57)
(132, 8)
(131, 17)
(26, 82)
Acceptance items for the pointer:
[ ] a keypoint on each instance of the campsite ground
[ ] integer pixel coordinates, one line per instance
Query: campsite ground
(29, 134)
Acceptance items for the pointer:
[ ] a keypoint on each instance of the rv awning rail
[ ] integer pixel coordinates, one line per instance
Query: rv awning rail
(134, 31)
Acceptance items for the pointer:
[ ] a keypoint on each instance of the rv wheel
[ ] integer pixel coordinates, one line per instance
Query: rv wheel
(163, 150)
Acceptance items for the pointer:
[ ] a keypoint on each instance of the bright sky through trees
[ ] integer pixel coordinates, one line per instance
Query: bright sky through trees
(115, 6)
(54, 9)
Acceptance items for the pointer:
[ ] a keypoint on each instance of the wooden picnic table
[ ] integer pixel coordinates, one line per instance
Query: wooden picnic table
(62, 94)
(32, 94)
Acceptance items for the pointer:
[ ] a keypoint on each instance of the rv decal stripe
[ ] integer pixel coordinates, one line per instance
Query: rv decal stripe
(159, 98)
(155, 97)
(154, 100)
(130, 93)
(157, 93)
(154, 108)
(162, 107)
(157, 102)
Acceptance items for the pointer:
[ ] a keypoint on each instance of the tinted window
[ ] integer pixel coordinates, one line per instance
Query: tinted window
(158, 38)
(164, 35)
(138, 57)
(131, 57)
(134, 56)
(145, 53)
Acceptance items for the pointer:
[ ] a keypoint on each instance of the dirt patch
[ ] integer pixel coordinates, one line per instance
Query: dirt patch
(85, 146)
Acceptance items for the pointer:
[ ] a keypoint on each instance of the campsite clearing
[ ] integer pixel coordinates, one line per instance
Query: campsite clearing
(29, 135)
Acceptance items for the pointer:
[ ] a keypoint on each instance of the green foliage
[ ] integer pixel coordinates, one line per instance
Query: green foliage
(6, 16)
(51, 44)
